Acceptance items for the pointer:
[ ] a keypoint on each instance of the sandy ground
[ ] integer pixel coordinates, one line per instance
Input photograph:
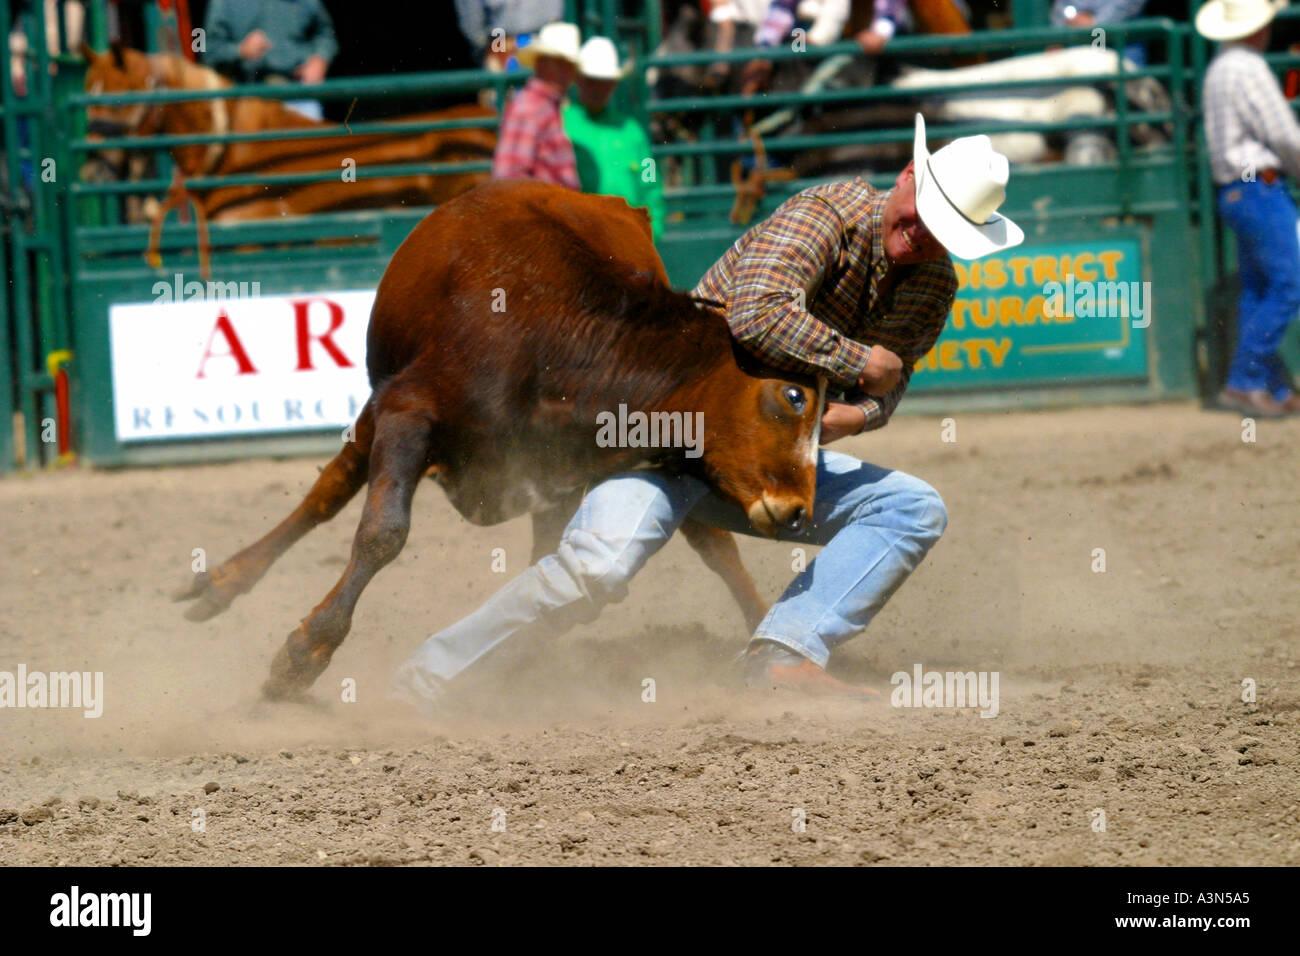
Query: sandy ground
(1120, 692)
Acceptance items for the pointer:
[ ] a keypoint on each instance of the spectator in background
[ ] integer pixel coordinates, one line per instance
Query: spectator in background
(533, 144)
(612, 150)
(74, 20)
(1254, 143)
(824, 20)
(1087, 13)
(496, 29)
(281, 41)
(889, 18)
(735, 22)
(770, 22)
(892, 17)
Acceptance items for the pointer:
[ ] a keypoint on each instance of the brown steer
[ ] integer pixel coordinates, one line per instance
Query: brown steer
(506, 323)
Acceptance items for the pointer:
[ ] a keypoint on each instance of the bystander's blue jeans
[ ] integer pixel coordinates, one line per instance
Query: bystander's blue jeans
(1268, 257)
(876, 525)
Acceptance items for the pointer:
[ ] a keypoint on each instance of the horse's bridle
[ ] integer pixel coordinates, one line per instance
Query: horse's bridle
(150, 114)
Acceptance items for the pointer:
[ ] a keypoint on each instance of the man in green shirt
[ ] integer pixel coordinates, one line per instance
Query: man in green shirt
(613, 151)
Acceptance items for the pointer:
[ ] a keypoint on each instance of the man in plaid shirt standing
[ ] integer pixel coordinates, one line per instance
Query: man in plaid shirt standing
(1254, 143)
(533, 144)
(844, 281)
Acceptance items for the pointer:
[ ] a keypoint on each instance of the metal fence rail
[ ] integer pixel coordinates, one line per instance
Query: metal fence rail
(1172, 73)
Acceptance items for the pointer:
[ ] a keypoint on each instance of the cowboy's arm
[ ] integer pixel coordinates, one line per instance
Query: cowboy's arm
(775, 280)
(1268, 114)
(516, 152)
(558, 152)
(912, 327)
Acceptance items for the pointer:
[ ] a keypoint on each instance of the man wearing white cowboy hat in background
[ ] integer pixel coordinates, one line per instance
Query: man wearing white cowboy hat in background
(612, 150)
(533, 144)
(844, 281)
(1254, 143)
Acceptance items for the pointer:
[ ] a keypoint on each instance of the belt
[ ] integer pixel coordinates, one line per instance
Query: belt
(1270, 176)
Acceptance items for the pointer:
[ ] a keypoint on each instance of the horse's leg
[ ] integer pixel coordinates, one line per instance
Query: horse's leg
(398, 459)
(719, 551)
(549, 525)
(337, 483)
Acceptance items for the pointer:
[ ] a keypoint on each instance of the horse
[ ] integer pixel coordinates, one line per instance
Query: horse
(124, 70)
(501, 408)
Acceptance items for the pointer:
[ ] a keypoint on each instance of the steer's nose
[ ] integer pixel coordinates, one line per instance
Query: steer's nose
(798, 518)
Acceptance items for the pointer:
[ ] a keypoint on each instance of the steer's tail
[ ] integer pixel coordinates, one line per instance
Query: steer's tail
(337, 483)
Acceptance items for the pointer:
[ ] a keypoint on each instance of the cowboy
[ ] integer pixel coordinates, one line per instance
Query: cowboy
(1254, 143)
(848, 282)
(533, 144)
(611, 147)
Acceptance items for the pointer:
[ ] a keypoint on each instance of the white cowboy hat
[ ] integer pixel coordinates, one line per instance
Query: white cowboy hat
(958, 191)
(555, 39)
(598, 59)
(1234, 19)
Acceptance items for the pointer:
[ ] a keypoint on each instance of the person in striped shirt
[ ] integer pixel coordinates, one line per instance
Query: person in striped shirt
(847, 282)
(532, 143)
(1254, 144)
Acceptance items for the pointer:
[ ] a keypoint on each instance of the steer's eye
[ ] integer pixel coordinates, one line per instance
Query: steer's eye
(796, 399)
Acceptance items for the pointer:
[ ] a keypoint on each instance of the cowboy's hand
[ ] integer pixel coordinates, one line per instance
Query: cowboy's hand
(756, 76)
(841, 420)
(312, 70)
(882, 374)
(872, 43)
(254, 46)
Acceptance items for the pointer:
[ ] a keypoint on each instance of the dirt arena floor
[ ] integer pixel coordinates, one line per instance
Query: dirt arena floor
(1120, 692)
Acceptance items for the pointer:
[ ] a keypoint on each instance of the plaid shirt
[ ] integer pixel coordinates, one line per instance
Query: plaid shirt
(825, 246)
(1249, 125)
(533, 144)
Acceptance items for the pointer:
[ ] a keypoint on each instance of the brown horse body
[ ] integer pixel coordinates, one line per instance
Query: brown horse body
(124, 70)
(509, 320)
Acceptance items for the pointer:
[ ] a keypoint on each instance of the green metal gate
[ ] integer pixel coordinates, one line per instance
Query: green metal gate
(35, 332)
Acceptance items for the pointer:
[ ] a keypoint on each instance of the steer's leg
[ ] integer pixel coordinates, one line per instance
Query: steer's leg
(718, 549)
(716, 546)
(398, 459)
(337, 483)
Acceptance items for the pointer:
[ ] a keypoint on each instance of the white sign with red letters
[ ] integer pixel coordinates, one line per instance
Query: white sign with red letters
(239, 366)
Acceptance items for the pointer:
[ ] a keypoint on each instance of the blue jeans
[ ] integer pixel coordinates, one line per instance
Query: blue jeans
(876, 526)
(1268, 256)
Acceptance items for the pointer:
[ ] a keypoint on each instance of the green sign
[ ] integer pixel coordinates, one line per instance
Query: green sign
(1064, 312)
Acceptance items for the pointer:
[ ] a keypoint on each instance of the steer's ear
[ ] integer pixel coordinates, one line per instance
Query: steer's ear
(88, 53)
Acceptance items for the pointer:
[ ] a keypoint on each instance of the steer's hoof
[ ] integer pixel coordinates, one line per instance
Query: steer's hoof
(290, 678)
(212, 598)
(194, 585)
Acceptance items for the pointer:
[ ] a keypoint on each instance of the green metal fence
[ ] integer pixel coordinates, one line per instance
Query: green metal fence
(34, 305)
